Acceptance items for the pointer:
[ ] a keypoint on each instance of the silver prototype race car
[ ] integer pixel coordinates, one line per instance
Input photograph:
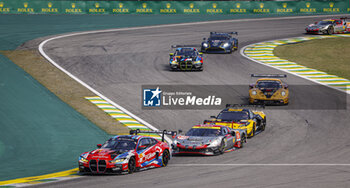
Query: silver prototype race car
(209, 140)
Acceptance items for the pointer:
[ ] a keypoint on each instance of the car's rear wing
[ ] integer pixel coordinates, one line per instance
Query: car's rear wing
(245, 106)
(164, 132)
(186, 45)
(269, 75)
(231, 33)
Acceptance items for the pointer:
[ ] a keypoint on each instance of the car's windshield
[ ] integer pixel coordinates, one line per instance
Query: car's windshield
(185, 52)
(325, 22)
(203, 132)
(233, 115)
(269, 84)
(120, 144)
(218, 38)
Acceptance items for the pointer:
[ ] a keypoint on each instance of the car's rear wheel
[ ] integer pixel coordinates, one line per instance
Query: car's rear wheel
(131, 165)
(165, 158)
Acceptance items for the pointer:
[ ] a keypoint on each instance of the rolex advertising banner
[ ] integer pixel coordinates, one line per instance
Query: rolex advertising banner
(73, 7)
(172, 7)
(122, 7)
(239, 7)
(97, 7)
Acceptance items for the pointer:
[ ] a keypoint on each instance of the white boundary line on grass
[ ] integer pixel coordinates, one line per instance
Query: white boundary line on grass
(262, 63)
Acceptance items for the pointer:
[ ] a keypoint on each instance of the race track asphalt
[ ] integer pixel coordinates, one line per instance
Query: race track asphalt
(118, 63)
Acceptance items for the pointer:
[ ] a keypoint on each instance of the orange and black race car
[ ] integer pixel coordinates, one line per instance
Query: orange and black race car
(269, 89)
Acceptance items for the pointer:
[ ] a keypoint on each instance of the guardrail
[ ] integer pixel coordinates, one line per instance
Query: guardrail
(172, 7)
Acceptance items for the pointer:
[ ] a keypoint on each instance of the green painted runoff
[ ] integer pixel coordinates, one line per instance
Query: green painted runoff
(39, 134)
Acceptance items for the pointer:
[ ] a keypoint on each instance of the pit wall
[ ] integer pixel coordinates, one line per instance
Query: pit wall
(172, 7)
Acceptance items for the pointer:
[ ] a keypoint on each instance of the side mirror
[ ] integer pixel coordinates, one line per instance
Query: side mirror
(141, 147)
(180, 131)
(233, 133)
(285, 86)
(171, 54)
(251, 86)
(316, 22)
(99, 145)
(214, 117)
(204, 39)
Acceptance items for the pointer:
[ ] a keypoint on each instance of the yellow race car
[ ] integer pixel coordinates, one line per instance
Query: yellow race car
(236, 116)
(269, 89)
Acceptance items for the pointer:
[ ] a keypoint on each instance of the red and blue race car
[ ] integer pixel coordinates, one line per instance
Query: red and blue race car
(126, 154)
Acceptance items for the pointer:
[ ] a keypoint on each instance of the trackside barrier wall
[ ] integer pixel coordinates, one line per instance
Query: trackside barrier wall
(172, 7)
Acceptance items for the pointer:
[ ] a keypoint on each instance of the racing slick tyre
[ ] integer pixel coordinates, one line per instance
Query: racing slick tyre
(263, 124)
(243, 140)
(253, 131)
(221, 148)
(330, 30)
(165, 158)
(131, 165)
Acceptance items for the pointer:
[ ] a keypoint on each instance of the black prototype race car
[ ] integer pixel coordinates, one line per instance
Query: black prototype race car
(220, 42)
(186, 58)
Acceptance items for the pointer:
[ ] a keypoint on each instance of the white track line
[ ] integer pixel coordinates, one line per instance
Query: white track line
(262, 63)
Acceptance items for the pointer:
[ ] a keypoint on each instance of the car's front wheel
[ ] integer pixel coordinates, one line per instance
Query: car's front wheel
(131, 165)
(243, 140)
(221, 147)
(330, 30)
(253, 131)
(263, 124)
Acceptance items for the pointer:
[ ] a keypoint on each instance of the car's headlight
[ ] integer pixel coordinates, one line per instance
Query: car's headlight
(254, 92)
(174, 62)
(215, 143)
(197, 62)
(205, 45)
(83, 158)
(283, 93)
(225, 45)
(118, 160)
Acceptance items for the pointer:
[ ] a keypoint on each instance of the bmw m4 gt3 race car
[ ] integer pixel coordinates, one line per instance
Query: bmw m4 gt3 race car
(220, 42)
(209, 140)
(329, 26)
(237, 117)
(126, 154)
(186, 58)
(269, 90)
